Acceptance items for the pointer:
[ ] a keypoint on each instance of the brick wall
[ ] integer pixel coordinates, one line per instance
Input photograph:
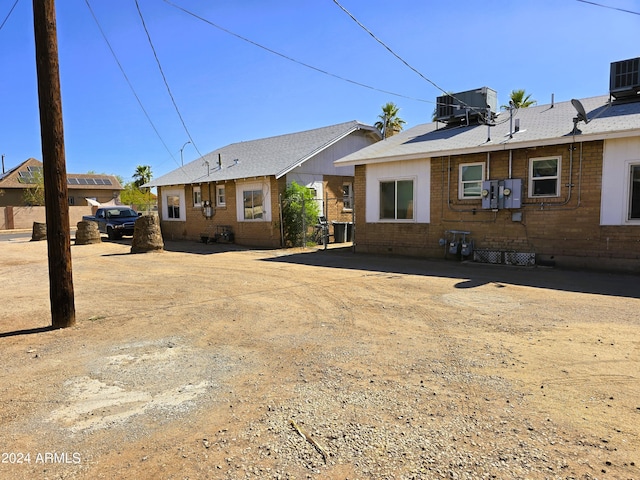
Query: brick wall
(565, 229)
(261, 234)
(334, 200)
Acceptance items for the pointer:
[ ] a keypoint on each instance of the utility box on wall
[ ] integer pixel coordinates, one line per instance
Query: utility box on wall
(499, 194)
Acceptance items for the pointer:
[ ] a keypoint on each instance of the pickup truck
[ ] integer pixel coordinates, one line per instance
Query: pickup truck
(114, 221)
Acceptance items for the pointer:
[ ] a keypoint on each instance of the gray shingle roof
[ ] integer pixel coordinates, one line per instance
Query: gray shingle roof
(540, 125)
(256, 158)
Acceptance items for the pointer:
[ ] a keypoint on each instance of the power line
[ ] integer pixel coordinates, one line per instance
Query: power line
(400, 58)
(387, 47)
(286, 57)
(124, 74)
(184, 125)
(8, 14)
(612, 8)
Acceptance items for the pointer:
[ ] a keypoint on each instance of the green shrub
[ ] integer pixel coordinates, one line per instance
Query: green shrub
(300, 212)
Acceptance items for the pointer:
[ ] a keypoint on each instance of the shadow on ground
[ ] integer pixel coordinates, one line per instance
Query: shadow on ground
(474, 274)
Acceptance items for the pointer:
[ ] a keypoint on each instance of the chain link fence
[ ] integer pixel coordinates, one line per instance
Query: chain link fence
(315, 221)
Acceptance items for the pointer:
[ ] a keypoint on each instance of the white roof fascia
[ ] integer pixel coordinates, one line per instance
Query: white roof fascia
(391, 158)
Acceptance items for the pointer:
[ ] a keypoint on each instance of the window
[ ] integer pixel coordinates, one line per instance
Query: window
(197, 196)
(347, 196)
(253, 204)
(72, 201)
(471, 177)
(221, 199)
(252, 201)
(544, 177)
(634, 193)
(173, 206)
(396, 200)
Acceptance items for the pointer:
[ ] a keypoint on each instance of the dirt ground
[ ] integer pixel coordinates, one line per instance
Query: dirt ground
(201, 361)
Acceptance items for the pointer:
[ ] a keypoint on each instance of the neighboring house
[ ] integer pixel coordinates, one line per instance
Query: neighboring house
(80, 186)
(242, 184)
(543, 183)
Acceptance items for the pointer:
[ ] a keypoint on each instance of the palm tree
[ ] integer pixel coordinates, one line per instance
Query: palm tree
(520, 99)
(142, 175)
(389, 123)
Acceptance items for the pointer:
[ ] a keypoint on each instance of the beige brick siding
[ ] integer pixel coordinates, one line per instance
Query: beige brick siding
(334, 201)
(565, 229)
(261, 234)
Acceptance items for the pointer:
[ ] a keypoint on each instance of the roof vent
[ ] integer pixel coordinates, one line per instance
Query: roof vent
(458, 107)
(624, 82)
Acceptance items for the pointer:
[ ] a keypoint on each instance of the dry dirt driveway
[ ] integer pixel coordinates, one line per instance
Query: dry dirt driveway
(211, 362)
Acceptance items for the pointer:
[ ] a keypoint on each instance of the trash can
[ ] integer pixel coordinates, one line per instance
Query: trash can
(339, 232)
(342, 231)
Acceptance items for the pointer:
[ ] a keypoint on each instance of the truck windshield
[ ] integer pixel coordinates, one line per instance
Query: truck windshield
(121, 213)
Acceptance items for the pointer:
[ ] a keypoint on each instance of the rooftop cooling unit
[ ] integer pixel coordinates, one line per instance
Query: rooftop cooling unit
(624, 82)
(472, 103)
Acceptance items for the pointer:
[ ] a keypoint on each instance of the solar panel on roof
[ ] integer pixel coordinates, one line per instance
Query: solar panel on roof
(25, 176)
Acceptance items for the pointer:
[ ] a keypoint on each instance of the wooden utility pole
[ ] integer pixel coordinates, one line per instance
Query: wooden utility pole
(63, 312)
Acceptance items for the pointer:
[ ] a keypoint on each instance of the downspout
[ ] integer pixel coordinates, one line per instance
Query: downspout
(580, 178)
(488, 166)
(281, 224)
(570, 184)
(554, 206)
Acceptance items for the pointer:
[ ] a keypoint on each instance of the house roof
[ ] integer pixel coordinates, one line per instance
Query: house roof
(21, 176)
(539, 126)
(263, 157)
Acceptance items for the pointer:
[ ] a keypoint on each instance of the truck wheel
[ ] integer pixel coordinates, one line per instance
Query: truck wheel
(111, 234)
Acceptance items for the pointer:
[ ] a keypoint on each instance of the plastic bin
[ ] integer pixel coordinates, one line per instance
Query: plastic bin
(342, 232)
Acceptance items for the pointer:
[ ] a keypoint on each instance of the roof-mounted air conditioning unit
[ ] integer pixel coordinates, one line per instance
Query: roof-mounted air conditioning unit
(624, 82)
(457, 107)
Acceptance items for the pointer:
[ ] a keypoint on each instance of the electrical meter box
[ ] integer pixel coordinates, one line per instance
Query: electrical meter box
(499, 194)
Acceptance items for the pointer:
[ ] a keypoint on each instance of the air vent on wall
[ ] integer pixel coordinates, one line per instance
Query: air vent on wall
(624, 82)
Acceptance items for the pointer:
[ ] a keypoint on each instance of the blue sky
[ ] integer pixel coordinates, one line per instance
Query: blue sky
(228, 90)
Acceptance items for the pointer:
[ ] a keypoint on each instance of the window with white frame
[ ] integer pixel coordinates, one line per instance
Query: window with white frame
(347, 196)
(253, 201)
(544, 177)
(221, 197)
(634, 193)
(396, 200)
(173, 208)
(470, 177)
(197, 196)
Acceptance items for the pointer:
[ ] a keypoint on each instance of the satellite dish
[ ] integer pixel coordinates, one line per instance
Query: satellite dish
(582, 114)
